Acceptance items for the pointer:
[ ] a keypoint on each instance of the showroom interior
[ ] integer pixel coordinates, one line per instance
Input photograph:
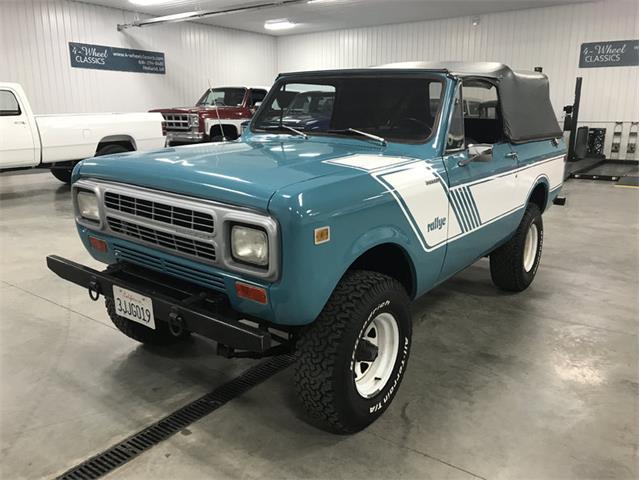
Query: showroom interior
(304, 239)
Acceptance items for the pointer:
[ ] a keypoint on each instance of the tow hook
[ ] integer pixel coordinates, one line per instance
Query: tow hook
(94, 290)
(176, 324)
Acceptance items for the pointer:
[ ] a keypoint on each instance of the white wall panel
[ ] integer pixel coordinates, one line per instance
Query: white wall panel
(34, 36)
(548, 37)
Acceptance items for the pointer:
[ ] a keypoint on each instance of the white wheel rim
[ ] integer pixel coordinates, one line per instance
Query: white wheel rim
(530, 247)
(371, 377)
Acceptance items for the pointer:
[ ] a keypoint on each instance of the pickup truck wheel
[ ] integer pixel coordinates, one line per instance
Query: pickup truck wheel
(110, 149)
(351, 360)
(514, 264)
(62, 174)
(160, 336)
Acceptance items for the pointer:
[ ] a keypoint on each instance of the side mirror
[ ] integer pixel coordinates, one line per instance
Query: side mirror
(255, 107)
(481, 152)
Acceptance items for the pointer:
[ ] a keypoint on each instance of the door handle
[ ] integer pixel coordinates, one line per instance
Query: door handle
(512, 155)
(19, 122)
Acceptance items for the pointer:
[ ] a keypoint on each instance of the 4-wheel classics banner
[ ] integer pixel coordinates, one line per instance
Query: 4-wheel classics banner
(618, 53)
(100, 57)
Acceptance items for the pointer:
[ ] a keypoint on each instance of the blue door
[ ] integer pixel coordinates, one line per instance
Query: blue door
(483, 189)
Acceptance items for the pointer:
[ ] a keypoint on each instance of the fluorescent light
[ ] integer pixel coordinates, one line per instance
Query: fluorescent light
(172, 18)
(320, 1)
(279, 24)
(147, 3)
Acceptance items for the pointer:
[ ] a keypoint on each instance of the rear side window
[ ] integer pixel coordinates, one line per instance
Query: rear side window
(482, 115)
(8, 104)
(257, 96)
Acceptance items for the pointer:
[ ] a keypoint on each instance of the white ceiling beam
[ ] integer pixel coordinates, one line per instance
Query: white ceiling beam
(182, 17)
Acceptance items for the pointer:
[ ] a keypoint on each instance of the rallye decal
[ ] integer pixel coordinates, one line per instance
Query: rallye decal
(439, 214)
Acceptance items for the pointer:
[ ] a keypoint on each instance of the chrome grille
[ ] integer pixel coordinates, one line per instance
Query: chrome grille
(177, 243)
(160, 212)
(176, 121)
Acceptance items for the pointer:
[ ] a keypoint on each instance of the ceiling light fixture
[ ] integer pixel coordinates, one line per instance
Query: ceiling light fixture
(320, 1)
(149, 3)
(279, 24)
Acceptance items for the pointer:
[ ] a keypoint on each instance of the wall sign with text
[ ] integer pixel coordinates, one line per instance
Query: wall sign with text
(618, 53)
(99, 57)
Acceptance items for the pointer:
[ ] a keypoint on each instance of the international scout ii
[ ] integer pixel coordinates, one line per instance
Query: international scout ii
(314, 238)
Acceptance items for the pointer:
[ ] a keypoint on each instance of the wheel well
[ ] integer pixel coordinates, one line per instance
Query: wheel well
(230, 131)
(123, 140)
(539, 196)
(391, 260)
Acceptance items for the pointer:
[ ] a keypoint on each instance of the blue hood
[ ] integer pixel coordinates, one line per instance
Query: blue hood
(244, 173)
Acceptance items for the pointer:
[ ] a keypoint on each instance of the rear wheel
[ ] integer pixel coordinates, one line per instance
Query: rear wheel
(160, 336)
(352, 359)
(110, 149)
(64, 173)
(514, 264)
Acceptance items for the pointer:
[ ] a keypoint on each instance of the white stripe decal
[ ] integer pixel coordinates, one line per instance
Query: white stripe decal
(438, 214)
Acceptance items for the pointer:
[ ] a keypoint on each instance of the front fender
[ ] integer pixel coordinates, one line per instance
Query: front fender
(361, 216)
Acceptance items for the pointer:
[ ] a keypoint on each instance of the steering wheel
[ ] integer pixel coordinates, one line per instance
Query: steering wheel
(414, 121)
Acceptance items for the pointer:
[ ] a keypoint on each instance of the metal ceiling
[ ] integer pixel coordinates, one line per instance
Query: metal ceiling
(250, 15)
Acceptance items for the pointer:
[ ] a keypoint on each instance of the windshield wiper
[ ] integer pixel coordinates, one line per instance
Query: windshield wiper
(382, 141)
(296, 131)
(280, 127)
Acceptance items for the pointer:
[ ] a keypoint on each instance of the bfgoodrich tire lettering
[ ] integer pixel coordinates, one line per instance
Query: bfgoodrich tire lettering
(326, 358)
(508, 261)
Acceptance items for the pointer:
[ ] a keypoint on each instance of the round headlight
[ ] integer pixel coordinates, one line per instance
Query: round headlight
(249, 245)
(88, 205)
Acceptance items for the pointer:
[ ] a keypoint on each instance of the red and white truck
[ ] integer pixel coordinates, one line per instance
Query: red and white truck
(216, 116)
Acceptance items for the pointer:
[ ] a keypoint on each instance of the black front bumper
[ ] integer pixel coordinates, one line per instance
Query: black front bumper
(178, 303)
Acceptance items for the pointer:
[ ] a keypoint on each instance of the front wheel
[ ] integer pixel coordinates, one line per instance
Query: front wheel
(352, 359)
(514, 264)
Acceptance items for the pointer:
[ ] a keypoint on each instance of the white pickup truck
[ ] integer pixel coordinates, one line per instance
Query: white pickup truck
(58, 142)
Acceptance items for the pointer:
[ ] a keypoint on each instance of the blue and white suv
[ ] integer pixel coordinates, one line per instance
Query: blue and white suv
(314, 236)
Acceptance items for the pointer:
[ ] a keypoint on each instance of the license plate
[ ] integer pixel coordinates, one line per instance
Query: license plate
(134, 306)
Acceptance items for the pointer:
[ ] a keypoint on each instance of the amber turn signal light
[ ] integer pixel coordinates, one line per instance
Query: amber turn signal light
(97, 244)
(251, 292)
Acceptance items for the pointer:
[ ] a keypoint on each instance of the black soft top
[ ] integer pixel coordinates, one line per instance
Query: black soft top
(524, 96)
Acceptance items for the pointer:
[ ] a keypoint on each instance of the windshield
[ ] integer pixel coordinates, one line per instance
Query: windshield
(223, 97)
(394, 108)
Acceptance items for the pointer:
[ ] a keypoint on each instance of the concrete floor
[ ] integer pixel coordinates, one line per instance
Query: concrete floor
(543, 384)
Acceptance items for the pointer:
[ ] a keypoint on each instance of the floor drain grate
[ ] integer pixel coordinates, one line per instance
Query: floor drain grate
(123, 452)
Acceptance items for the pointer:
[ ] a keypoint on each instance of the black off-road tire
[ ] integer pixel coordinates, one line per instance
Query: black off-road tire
(324, 376)
(160, 336)
(110, 149)
(507, 261)
(62, 174)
